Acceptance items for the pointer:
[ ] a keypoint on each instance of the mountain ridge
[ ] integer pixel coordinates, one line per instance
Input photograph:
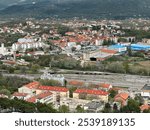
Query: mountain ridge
(113, 9)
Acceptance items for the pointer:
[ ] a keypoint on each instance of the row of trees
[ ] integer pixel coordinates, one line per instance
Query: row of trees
(139, 34)
(11, 84)
(16, 105)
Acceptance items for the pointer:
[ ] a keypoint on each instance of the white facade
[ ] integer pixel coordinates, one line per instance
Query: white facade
(47, 99)
(3, 50)
(71, 44)
(26, 90)
(99, 42)
(59, 78)
(145, 94)
(122, 49)
(24, 44)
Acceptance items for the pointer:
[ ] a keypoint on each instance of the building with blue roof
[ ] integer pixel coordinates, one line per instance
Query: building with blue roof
(140, 47)
(118, 48)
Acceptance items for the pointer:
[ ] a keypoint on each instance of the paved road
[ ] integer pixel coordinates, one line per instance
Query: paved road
(122, 80)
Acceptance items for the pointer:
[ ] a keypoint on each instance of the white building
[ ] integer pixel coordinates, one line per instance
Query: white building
(145, 91)
(99, 42)
(59, 78)
(4, 50)
(26, 43)
(71, 44)
(45, 97)
(29, 88)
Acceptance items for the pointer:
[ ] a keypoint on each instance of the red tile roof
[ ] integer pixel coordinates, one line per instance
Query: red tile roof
(32, 85)
(108, 51)
(39, 96)
(18, 55)
(144, 107)
(124, 96)
(94, 92)
(104, 85)
(17, 94)
(9, 62)
(43, 95)
(75, 83)
(53, 88)
(32, 99)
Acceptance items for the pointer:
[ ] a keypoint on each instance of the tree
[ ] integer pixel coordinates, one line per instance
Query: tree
(146, 111)
(132, 107)
(5, 91)
(126, 66)
(64, 109)
(116, 67)
(17, 105)
(139, 99)
(11, 69)
(107, 108)
(122, 40)
(113, 93)
(45, 108)
(79, 109)
(115, 108)
(51, 82)
(35, 68)
(12, 83)
(129, 51)
(62, 30)
(71, 90)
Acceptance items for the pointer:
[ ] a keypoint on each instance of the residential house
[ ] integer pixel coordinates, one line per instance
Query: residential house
(26, 43)
(145, 93)
(122, 98)
(4, 50)
(144, 107)
(45, 97)
(3, 96)
(58, 92)
(105, 86)
(21, 96)
(29, 88)
(59, 78)
(118, 48)
(91, 94)
(75, 83)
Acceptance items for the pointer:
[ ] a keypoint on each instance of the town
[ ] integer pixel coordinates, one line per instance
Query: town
(75, 65)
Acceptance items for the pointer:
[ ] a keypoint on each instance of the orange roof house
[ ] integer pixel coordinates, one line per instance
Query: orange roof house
(29, 88)
(53, 88)
(93, 92)
(76, 83)
(43, 95)
(17, 94)
(122, 97)
(106, 86)
(144, 107)
(40, 97)
(102, 86)
(32, 85)
(32, 99)
(105, 50)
